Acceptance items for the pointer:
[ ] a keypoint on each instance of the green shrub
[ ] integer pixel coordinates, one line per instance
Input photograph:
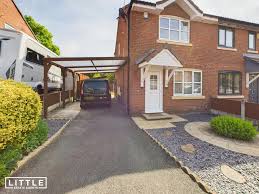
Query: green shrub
(233, 127)
(36, 137)
(3, 173)
(8, 161)
(20, 110)
(10, 156)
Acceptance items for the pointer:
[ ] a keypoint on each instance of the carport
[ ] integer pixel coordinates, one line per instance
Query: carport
(77, 66)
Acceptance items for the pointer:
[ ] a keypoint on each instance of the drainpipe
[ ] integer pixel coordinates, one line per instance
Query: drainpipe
(129, 23)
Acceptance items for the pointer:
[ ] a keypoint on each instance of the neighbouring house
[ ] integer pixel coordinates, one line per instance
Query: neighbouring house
(180, 57)
(21, 55)
(11, 18)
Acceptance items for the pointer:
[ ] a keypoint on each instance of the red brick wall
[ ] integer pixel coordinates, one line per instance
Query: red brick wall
(203, 55)
(121, 75)
(10, 15)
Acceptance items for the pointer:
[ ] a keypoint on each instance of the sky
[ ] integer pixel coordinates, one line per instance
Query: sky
(88, 28)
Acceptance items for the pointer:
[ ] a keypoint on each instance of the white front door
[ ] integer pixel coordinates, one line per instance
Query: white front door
(154, 92)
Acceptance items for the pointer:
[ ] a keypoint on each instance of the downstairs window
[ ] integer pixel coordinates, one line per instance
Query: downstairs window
(187, 83)
(230, 83)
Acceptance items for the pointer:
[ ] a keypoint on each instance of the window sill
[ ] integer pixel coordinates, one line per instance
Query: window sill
(226, 49)
(231, 97)
(173, 42)
(188, 97)
(251, 51)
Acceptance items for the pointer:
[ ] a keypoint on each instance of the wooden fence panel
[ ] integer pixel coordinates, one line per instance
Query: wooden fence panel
(226, 105)
(66, 94)
(252, 110)
(53, 98)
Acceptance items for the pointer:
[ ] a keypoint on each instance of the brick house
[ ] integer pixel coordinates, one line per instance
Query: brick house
(180, 57)
(12, 18)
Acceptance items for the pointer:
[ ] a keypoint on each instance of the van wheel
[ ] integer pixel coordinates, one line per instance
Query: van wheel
(40, 89)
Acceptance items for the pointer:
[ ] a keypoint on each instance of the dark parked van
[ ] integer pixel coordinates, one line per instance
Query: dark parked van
(95, 92)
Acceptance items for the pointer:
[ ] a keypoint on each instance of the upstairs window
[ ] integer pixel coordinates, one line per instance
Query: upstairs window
(226, 37)
(173, 29)
(252, 41)
(230, 83)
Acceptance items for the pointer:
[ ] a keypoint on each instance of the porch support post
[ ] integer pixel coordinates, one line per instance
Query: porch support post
(142, 77)
(143, 74)
(74, 86)
(243, 109)
(168, 76)
(247, 80)
(46, 67)
(64, 74)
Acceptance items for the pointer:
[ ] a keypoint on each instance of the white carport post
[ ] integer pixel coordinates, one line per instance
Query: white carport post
(143, 74)
(168, 76)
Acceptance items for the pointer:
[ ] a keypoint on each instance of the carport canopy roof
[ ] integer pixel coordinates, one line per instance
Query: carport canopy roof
(85, 65)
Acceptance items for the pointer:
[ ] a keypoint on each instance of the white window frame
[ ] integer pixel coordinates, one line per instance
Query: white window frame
(193, 71)
(179, 31)
(254, 42)
(226, 29)
(8, 26)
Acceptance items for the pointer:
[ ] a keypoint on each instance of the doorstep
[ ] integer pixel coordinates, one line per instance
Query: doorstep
(156, 116)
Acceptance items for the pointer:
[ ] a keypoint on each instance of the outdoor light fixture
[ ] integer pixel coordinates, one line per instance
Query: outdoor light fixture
(146, 15)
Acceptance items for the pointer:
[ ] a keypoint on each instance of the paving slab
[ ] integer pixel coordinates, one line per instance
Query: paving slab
(232, 174)
(157, 124)
(70, 112)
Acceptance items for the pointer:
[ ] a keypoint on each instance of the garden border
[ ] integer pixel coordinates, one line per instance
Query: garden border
(35, 152)
(186, 169)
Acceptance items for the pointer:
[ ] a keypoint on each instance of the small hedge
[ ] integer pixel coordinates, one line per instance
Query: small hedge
(233, 127)
(20, 110)
(21, 129)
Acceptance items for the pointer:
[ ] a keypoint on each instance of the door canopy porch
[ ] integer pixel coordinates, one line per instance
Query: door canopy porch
(164, 59)
(252, 68)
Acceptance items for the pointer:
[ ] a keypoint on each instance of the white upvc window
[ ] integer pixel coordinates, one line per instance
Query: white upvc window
(187, 83)
(252, 41)
(174, 29)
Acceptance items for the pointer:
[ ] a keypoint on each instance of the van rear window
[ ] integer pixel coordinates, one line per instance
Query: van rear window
(95, 87)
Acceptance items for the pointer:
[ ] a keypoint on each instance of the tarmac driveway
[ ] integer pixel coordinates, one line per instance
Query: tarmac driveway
(102, 151)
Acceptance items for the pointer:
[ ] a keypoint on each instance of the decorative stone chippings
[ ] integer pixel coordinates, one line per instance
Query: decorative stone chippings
(232, 174)
(208, 158)
(188, 148)
(167, 133)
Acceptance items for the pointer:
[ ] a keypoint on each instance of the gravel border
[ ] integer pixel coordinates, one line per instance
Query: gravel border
(54, 125)
(206, 161)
